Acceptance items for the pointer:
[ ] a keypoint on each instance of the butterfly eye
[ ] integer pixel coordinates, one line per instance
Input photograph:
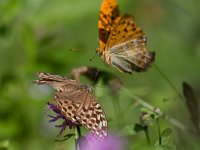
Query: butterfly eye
(87, 87)
(144, 38)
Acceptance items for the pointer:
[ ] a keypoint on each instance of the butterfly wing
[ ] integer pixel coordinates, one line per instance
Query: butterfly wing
(93, 116)
(77, 103)
(82, 107)
(67, 105)
(109, 12)
(57, 82)
(124, 30)
(127, 46)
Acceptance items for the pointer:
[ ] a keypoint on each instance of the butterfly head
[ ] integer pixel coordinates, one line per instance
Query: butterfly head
(86, 87)
(103, 54)
(99, 51)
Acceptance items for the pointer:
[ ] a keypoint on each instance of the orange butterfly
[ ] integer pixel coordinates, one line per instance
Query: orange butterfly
(122, 42)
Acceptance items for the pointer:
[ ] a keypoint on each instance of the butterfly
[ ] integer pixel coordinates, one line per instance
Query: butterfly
(77, 103)
(122, 41)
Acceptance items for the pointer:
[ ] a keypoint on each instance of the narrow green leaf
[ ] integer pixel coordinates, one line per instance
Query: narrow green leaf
(192, 104)
(66, 137)
(167, 141)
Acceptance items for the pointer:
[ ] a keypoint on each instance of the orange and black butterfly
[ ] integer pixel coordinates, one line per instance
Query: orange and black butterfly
(77, 103)
(122, 41)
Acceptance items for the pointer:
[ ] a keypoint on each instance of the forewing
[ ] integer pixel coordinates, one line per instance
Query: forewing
(124, 30)
(57, 82)
(108, 14)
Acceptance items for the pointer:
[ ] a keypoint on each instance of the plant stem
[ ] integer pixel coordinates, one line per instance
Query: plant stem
(78, 130)
(159, 133)
(157, 110)
(77, 136)
(146, 130)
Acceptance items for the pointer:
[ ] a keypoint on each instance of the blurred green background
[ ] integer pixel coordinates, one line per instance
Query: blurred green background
(36, 35)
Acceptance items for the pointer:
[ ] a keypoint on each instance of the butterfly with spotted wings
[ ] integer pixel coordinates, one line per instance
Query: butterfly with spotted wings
(122, 41)
(77, 103)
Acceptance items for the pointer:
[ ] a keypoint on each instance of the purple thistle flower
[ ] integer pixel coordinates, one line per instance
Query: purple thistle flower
(58, 116)
(111, 142)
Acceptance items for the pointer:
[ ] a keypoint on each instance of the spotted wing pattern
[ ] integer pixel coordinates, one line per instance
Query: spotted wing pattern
(125, 30)
(124, 46)
(127, 46)
(77, 103)
(109, 13)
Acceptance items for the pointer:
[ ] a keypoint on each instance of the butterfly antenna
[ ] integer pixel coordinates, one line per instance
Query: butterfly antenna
(93, 56)
(76, 49)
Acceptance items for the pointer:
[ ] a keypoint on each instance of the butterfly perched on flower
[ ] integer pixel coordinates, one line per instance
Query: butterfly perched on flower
(122, 41)
(77, 103)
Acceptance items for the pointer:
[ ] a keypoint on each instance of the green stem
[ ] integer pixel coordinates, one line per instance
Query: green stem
(146, 130)
(159, 133)
(77, 136)
(156, 110)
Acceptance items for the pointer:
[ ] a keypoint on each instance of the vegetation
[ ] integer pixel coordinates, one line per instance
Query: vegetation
(157, 109)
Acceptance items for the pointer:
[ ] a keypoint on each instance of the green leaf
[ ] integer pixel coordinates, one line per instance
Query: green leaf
(192, 104)
(160, 147)
(167, 132)
(167, 141)
(66, 137)
(128, 130)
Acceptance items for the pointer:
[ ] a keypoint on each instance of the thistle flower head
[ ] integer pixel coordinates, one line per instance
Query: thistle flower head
(59, 115)
(111, 142)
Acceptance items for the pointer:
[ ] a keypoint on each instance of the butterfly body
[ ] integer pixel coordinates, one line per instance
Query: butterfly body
(122, 41)
(77, 103)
